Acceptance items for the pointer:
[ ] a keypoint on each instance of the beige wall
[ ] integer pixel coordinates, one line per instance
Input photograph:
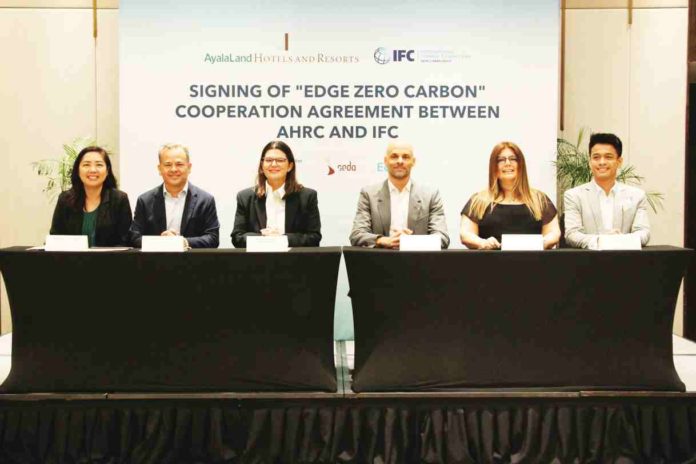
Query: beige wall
(56, 85)
(631, 80)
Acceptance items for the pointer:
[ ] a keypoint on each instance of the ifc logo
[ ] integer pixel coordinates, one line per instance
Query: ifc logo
(382, 55)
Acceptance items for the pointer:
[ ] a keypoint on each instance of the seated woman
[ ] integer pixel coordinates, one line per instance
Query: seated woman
(93, 206)
(278, 205)
(509, 205)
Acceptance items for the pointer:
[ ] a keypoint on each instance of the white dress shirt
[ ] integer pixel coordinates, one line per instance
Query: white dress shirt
(174, 208)
(399, 206)
(275, 208)
(606, 205)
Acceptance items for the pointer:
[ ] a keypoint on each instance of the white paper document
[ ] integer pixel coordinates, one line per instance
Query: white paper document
(267, 243)
(619, 242)
(174, 243)
(529, 242)
(66, 243)
(420, 243)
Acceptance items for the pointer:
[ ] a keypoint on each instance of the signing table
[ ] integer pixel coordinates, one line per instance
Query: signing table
(226, 356)
(555, 320)
(204, 320)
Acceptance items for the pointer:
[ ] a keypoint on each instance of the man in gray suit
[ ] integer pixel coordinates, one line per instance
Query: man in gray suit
(604, 206)
(398, 206)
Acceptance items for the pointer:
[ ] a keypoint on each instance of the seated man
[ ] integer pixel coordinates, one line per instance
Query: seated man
(398, 206)
(604, 206)
(176, 207)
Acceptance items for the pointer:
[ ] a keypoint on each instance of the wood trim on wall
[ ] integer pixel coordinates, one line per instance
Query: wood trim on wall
(102, 4)
(571, 4)
(622, 4)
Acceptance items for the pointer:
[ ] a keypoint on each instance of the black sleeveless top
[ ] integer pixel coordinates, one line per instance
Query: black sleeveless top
(510, 219)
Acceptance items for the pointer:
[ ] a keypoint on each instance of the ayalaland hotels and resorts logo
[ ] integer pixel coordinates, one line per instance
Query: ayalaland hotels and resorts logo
(259, 57)
(271, 58)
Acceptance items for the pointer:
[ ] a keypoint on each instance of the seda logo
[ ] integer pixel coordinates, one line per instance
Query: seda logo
(342, 168)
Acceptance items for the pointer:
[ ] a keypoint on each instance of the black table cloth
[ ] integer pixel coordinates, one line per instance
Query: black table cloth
(349, 431)
(204, 320)
(556, 320)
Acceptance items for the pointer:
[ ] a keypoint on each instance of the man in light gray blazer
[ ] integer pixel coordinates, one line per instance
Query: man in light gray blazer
(604, 206)
(398, 206)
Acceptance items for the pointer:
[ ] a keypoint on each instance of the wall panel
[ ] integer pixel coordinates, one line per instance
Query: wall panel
(631, 80)
(107, 83)
(658, 117)
(46, 99)
(657, 113)
(597, 70)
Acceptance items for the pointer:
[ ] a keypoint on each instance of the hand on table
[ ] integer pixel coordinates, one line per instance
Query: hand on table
(394, 240)
(270, 231)
(491, 243)
(172, 233)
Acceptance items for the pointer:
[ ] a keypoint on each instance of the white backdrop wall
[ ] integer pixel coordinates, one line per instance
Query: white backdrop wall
(507, 55)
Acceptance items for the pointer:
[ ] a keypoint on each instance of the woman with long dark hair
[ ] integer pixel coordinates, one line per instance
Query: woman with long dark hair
(278, 204)
(93, 206)
(509, 205)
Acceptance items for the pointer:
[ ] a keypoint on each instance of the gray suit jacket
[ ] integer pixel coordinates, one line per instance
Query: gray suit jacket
(426, 214)
(583, 218)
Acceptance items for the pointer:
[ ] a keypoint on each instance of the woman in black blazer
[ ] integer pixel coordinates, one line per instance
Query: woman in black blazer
(278, 205)
(93, 206)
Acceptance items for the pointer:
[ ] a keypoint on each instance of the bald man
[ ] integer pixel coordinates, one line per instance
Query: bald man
(398, 206)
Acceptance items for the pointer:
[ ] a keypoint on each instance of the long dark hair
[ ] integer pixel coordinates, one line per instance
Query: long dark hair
(291, 184)
(533, 199)
(76, 194)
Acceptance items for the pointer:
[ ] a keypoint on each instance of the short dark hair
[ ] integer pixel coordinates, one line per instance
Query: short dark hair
(291, 184)
(608, 139)
(76, 194)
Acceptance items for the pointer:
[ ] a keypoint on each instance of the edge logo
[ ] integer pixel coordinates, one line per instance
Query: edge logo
(383, 55)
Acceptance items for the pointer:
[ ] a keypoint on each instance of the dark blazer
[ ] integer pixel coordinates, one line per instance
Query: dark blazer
(199, 223)
(113, 218)
(302, 222)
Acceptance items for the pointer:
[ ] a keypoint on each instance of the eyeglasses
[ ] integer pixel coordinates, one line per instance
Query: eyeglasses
(504, 159)
(278, 161)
